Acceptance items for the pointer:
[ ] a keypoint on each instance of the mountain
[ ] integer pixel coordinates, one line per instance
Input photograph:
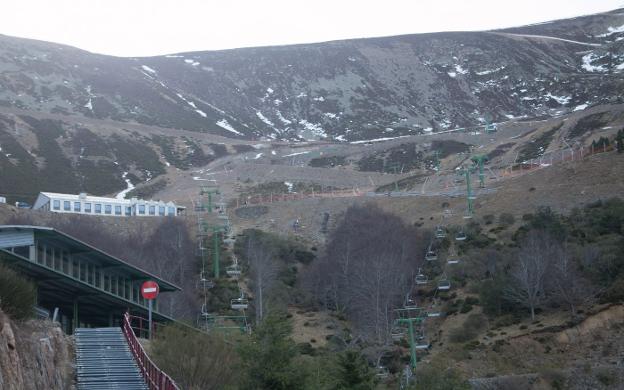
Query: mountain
(349, 89)
(71, 120)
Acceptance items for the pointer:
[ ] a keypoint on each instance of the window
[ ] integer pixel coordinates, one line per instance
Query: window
(152, 210)
(128, 210)
(56, 204)
(87, 207)
(171, 210)
(66, 205)
(161, 210)
(98, 208)
(77, 206)
(117, 210)
(141, 209)
(108, 209)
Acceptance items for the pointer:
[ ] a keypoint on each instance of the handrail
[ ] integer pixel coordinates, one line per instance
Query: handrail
(156, 379)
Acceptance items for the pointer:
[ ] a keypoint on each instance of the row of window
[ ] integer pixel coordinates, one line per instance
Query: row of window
(108, 209)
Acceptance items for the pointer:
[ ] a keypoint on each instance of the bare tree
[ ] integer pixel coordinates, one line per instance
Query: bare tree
(262, 274)
(367, 269)
(528, 275)
(567, 284)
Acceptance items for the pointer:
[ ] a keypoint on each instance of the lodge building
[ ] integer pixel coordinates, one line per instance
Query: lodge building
(96, 205)
(87, 286)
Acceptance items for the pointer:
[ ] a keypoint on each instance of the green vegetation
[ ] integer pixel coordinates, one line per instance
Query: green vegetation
(449, 147)
(352, 372)
(439, 378)
(398, 159)
(17, 295)
(538, 146)
(327, 162)
(196, 361)
(268, 357)
(588, 123)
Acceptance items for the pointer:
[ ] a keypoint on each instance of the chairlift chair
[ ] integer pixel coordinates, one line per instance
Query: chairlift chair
(223, 216)
(440, 232)
(397, 333)
(461, 236)
(240, 303)
(233, 270)
(444, 284)
(421, 278)
(382, 372)
(431, 255)
(453, 260)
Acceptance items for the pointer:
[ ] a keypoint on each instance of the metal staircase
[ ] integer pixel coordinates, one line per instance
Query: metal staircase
(104, 361)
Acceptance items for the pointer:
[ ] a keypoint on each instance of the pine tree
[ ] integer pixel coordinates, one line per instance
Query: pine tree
(353, 372)
(619, 141)
(267, 358)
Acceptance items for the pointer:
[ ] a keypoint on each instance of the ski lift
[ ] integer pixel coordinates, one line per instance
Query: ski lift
(382, 372)
(204, 310)
(397, 333)
(453, 260)
(421, 342)
(421, 278)
(440, 232)
(461, 236)
(431, 255)
(240, 303)
(233, 270)
(444, 284)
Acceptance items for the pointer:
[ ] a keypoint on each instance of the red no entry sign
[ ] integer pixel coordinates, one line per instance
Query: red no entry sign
(149, 290)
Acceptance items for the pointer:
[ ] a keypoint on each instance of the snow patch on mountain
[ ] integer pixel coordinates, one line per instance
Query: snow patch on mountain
(224, 124)
(129, 187)
(264, 119)
(563, 100)
(148, 69)
(587, 63)
(611, 31)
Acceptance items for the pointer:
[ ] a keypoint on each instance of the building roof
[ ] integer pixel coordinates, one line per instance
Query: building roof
(60, 238)
(91, 198)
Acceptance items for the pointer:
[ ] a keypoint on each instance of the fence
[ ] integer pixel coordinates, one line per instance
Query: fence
(154, 377)
(511, 170)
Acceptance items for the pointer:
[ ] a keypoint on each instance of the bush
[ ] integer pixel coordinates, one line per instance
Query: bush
(194, 360)
(488, 219)
(506, 219)
(17, 295)
(438, 378)
(470, 329)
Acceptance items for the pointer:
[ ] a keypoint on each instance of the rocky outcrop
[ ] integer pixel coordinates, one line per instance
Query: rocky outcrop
(34, 355)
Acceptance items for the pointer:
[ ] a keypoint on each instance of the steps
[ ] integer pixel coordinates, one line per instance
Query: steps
(104, 361)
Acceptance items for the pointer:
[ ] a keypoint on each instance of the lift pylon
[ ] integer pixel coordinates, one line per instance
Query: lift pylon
(480, 160)
(408, 317)
(467, 172)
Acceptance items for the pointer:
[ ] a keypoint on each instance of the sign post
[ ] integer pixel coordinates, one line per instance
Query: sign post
(149, 291)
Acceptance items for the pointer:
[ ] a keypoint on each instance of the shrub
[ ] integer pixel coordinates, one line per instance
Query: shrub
(488, 219)
(194, 360)
(470, 329)
(506, 219)
(439, 378)
(17, 295)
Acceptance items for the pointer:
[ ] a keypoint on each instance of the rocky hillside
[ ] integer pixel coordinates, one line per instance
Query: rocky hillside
(345, 90)
(34, 355)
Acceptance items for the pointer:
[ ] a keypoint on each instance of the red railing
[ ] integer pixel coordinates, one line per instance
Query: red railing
(154, 377)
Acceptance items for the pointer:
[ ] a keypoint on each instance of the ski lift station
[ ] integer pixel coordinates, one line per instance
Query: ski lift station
(83, 286)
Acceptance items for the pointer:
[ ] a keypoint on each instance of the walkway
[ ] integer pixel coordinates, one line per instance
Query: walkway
(104, 361)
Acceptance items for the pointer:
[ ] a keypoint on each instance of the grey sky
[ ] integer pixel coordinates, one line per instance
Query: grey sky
(151, 27)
